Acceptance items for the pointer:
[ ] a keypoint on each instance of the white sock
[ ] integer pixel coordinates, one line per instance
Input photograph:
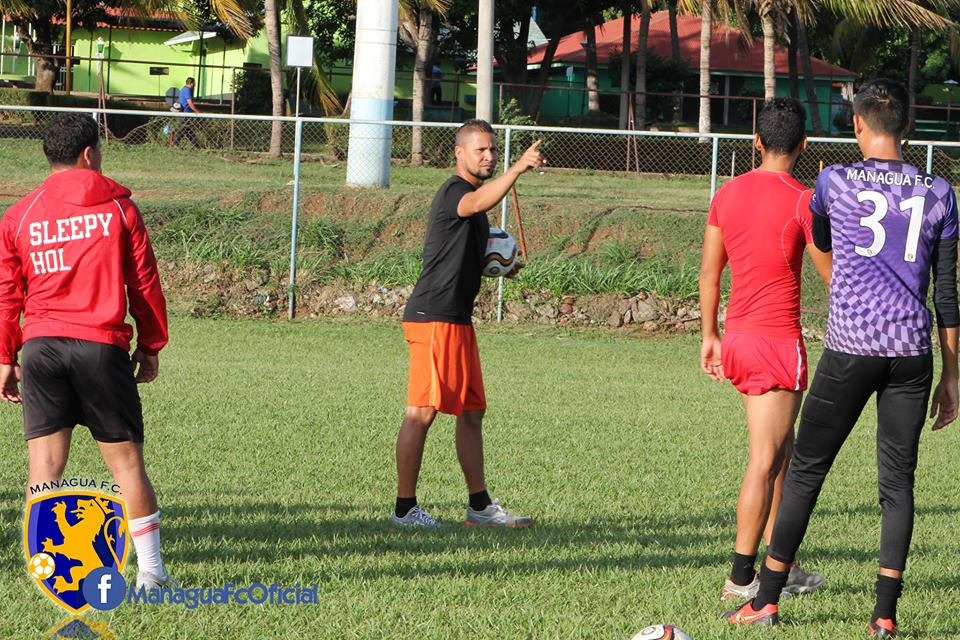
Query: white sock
(146, 540)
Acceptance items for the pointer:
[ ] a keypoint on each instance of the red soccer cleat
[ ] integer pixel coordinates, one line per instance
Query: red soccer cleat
(883, 628)
(768, 615)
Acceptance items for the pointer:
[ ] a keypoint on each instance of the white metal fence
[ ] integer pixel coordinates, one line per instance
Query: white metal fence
(325, 140)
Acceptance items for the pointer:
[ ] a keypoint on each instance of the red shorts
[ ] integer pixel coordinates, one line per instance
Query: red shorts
(444, 367)
(758, 364)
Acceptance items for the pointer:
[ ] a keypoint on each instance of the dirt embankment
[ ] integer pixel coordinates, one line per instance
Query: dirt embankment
(216, 290)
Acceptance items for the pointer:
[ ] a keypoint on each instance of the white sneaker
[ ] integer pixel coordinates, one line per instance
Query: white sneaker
(150, 581)
(496, 516)
(742, 592)
(416, 517)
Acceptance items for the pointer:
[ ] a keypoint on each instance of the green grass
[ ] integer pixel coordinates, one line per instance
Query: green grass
(271, 447)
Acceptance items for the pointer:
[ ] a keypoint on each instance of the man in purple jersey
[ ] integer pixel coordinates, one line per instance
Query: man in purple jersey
(889, 225)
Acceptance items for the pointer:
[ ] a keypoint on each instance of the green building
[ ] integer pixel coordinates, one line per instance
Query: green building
(142, 57)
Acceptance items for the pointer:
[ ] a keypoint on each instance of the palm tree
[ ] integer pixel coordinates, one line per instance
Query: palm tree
(418, 29)
(590, 51)
(766, 10)
(627, 10)
(706, 35)
(272, 19)
(915, 15)
(317, 84)
(674, 33)
(640, 100)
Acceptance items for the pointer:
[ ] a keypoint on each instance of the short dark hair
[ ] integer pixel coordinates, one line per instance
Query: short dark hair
(67, 135)
(782, 123)
(471, 126)
(885, 105)
(190, 80)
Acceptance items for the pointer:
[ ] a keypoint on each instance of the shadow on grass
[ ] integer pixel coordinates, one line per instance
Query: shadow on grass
(265, 532)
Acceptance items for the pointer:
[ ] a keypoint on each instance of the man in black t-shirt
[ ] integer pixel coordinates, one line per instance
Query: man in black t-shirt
(437, 324)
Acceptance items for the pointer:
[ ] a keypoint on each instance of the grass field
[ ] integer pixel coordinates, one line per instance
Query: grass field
(271, 447)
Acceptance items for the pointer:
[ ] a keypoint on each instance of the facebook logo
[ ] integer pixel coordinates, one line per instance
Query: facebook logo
(104, 588)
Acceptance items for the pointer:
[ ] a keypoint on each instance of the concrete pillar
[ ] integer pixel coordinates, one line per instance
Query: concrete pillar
(374, 71)
(485, 61)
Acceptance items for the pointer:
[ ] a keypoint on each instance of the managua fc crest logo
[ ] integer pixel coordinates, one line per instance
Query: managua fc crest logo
(68, 534)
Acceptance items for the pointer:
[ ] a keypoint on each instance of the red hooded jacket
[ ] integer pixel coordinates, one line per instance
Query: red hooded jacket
(71, 253)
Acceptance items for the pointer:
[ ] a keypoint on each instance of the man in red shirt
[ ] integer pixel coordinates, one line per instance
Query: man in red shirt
(760, 223)
(71, 255)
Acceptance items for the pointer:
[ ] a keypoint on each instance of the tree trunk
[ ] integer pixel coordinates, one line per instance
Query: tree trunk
(47, 69)
(640, 101)
(41, 46)
(423, 55)
(912, 74)
(625, 67)
(706, 33)
(804, 51)
(593, 85)
(674, 33)
(769, 50)
(794, 74)
(272, 19)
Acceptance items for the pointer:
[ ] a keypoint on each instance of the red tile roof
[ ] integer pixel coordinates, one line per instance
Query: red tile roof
(124, 18)
(729, 53)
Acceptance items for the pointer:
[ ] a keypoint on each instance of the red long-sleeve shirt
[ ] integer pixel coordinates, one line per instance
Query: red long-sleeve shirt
(71, 254)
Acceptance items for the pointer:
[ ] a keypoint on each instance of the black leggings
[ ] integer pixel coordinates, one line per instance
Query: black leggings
(841, 387)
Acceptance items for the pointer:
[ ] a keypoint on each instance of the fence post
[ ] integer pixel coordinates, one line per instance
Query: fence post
(929, 157)
(233, 107)
(292, 295)
(713, 165)
(503, 217)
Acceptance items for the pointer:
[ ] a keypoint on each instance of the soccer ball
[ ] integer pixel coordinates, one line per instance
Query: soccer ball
(662, 632)
(42, 566)
(501, 253)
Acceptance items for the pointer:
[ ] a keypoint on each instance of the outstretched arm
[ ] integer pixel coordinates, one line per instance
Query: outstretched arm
(493, 191)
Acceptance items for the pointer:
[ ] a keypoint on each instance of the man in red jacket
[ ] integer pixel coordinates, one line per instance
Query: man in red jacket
(71, 254)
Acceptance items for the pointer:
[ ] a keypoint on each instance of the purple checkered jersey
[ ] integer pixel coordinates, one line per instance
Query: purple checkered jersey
(886, 219)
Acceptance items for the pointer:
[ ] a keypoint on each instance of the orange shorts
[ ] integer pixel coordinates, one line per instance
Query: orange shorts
(444, 367)
(757, 364)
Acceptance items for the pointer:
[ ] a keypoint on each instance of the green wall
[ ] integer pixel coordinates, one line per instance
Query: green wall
(131, 52)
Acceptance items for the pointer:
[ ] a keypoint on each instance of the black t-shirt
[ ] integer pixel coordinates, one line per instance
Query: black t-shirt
(452, 260)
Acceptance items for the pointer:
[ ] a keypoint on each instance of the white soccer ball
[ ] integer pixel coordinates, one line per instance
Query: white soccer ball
(501, 253)
(662, 632)
(42, 566)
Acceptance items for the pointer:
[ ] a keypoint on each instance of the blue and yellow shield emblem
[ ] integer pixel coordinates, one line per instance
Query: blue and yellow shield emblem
(68, 534)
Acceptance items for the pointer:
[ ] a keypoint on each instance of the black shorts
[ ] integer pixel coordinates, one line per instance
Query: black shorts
(67, 382)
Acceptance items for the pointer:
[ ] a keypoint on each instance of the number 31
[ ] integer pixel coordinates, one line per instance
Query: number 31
(872, 222)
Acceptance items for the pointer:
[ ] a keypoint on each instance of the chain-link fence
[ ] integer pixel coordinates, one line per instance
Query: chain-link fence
(177, 156)
(607, 150)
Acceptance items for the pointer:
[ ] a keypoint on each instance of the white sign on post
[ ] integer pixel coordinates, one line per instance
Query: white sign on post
(299, 51)
(299, 55)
